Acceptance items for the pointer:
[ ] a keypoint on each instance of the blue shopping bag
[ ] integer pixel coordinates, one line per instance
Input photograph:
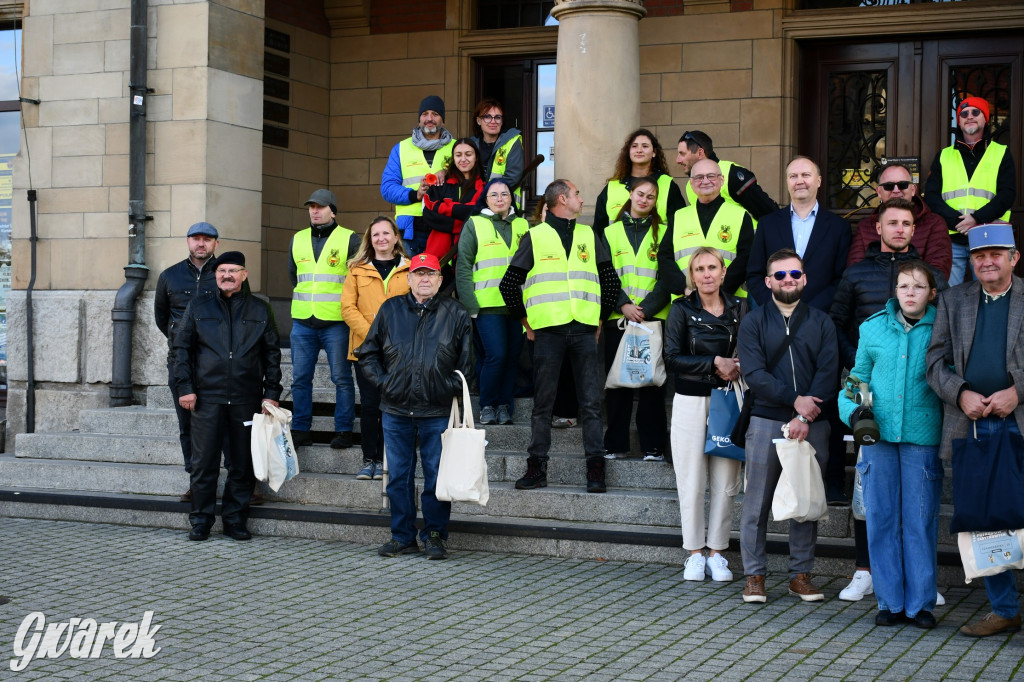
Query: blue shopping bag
(722, 415)
(988, 477)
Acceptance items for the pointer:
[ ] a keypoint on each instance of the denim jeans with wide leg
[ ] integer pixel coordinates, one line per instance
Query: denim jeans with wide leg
(500, 338)
(400, 449)
(902, 491)
(306, 345)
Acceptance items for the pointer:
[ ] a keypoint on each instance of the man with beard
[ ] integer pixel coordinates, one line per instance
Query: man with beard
(403, 182)
(787, 350)
(178, 286)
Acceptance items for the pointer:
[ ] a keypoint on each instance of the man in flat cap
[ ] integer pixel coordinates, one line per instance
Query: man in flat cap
(403, 182)
(317, 268)
(227, 360)
(976, 366)
(178, 286)
(972, 181)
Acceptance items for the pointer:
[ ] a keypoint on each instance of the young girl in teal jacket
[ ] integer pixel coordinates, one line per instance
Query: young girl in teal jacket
(901, 474)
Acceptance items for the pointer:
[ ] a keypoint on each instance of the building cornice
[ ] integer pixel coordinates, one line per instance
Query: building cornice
(902, 20)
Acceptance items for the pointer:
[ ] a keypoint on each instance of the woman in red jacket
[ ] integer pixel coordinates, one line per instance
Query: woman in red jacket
(448, 205)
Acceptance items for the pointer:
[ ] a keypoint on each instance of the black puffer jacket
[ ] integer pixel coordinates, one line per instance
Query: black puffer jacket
(227, 350)
(864, 290)
(177, 287)
(693, 337)
(412, 351)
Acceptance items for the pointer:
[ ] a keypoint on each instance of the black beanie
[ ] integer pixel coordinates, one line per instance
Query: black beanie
(433, 103)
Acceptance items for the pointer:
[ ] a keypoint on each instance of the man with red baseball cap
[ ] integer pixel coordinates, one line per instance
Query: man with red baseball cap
(972, 181)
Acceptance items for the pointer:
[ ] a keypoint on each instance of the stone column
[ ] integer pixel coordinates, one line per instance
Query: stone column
(597, 97)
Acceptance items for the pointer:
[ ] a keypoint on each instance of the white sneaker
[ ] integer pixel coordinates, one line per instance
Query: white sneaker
(860, 586)
(616, 455)
(718, 568)
(939, 599)
(694, 568)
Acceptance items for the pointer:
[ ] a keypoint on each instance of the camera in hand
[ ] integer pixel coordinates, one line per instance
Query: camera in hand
(865, 428)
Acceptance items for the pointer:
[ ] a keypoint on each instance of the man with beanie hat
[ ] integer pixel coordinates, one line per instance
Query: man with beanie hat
(227, 360)
(317, 269)
(740, 185)
(972, 181)
(403, 182)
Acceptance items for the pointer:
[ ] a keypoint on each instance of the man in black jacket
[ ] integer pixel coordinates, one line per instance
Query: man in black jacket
(787, 393)
(178, 286)
(411, 352)
(228, 359)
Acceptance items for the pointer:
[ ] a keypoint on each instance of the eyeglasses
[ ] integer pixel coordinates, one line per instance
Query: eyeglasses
(709, 176)
(488, 118)
(964, 113)
(890, 186)
(423, 272)
(229, 271)
(498, 195)
(781, 274)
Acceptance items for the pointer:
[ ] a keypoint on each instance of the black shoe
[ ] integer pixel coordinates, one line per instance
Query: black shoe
(342, 440)
(237, 532)
(595, 475)
(885, 617)
(536, 475)
(199, 533)
(393, 548)
(300, 438)
(925, 620)
(435, 546)
(256, 499)
(835, 497)
(186, 496)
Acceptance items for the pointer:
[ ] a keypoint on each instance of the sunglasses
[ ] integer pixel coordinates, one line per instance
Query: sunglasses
(890, 186)
(781, 274)
(964, 113)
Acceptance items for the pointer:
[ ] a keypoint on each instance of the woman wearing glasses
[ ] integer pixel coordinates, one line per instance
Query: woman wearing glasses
(501, 153)
(901, 474)
(487, 242)
(641, 156)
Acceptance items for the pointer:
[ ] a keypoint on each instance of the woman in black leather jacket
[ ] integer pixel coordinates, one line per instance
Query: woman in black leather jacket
(700, 348)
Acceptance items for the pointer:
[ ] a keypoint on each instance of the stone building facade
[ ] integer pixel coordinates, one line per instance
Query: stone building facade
(255, 103)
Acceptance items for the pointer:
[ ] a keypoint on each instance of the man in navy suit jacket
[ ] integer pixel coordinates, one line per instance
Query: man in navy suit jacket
(820, 237)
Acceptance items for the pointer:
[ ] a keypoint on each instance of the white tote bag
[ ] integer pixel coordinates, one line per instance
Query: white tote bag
(273, 452)
(638, 362)
(800, 494)
(990, 553)
(462, 474)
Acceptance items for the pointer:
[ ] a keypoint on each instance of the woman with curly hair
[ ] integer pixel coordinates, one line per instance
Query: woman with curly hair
(641, 156)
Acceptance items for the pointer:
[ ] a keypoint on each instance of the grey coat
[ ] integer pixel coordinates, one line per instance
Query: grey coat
(950, 347)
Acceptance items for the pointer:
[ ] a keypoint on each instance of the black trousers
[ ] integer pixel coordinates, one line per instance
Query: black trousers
(212, 424)
(184, 419)
(651, 423)
(371, 431)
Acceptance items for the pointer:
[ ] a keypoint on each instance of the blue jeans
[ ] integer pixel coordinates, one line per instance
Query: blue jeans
(400, 450)
(902, 492)
(961, 261)
(1001, 587)
(306, 345)
(500, 340)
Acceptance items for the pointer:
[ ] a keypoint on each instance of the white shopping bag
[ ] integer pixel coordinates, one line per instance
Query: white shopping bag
(638, 361)
(273, 453)
(462, 474)
(800, 494)
(989, 553)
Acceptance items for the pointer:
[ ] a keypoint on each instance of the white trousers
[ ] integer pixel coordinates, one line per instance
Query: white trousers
(693, 468)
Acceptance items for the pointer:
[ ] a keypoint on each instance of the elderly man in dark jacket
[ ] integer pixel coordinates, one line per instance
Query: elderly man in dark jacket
(228, 359)
(411, 352)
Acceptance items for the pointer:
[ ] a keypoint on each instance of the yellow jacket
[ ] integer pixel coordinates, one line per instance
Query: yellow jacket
(363, 294)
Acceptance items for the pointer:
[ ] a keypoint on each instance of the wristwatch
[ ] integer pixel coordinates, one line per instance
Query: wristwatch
(802, 418)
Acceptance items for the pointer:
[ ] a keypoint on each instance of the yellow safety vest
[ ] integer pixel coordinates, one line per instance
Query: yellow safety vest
(638, 271)
(318, 291)
(500, 160)
(415, 168)
(967, 196)
(559, 290)
(618, 195)
(723, 234)
(492, 256)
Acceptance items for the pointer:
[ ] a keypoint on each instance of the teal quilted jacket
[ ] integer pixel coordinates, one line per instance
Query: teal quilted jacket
(892, 361)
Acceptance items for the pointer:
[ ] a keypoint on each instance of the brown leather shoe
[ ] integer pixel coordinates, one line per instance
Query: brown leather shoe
(801, 586)
(256, 499)
(186, 496)
(754, 591)
(991, 624)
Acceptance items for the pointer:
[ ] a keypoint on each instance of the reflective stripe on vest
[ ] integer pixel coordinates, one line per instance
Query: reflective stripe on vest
(638, 271)
(492, 256)
(723, 235)
(415, 168)
(318, 292)
(618, 195)
(559, 290)
(968, 195)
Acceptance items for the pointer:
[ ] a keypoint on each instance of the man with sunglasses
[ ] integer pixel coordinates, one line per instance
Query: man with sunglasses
(972, 181)
(788, 353)
(739, 187)
(931, 237)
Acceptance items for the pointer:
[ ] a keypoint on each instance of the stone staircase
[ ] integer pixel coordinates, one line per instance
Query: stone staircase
(124, 466)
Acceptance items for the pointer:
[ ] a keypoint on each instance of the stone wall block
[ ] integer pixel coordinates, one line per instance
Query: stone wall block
(73, 200)
(405, 71)
(59, 226)
(650, 88)
(392, 124)
(115, 138)
(305, 168)
(767, 76)
(73, 263)
(706, 85)
(235, 212)
(37, 48)
(107, 225)
(77, 171)
(183, 35)
(188, 206)
(78, 58)
(312, 121)
(353, 148)
(57, 409)
(347, 102)
(273, 160)
(431, 44)
(189, 87)
(79, 141)
(718, 56)
(180, 152)
(71, 112)
(114, 110)
(761, 121)
(84, 25)
(339, 126)
(253, 7)
(654, 114)
(406, 99)
(158, 198)
(349, 75)
(233, 156)
(235, 99)
(57, 330)
(311, 98)
(706, 28)
(692, 113)
(369, 48)
(65, 7)
(21, 270)
(311, 70)
(117, 55)
(80, 86)
(354, 172)
(115, 170)
(37, 142)
(661, 58)
(236, 41)
(363, 198)
(768, 164)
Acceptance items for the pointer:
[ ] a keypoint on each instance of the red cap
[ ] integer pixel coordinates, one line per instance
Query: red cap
(427, 261)
(979, 102)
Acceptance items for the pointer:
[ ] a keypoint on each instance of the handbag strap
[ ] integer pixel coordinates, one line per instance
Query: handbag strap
(467, 408)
